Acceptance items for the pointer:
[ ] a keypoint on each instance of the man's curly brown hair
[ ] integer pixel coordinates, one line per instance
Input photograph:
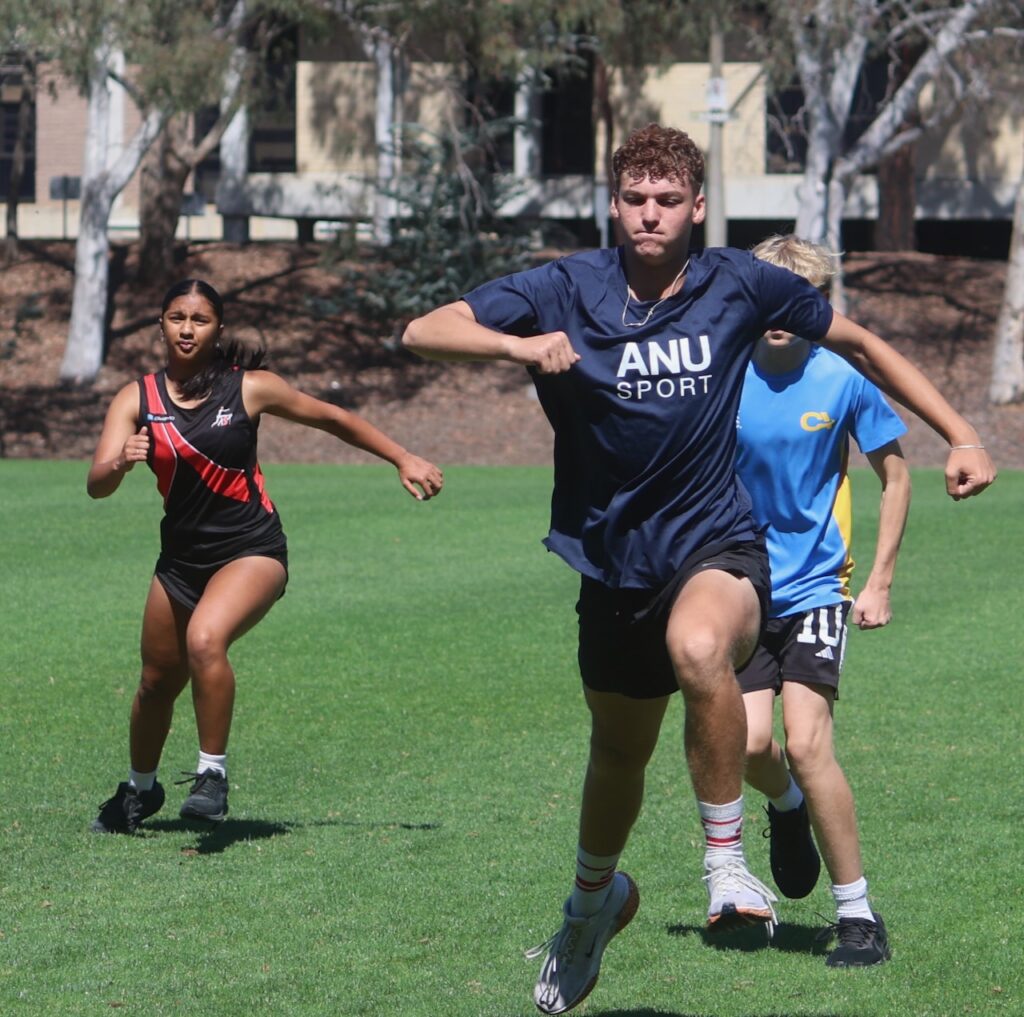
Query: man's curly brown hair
(658, 153)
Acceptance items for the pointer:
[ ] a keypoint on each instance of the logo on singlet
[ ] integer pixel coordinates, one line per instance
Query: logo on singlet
(160, 418)
(223, 417)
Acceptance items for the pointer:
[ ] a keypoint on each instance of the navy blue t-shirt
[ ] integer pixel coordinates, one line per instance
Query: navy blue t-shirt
(645, 422)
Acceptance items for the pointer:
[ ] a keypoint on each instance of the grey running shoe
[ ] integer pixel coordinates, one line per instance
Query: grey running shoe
(207, 797)
(861, 942)
(128, 808)
(572, 958)
(738, 898)
(794, 858)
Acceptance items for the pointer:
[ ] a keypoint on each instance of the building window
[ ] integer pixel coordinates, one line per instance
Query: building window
(272, 141)
(563, 109)
(10, 102)
(493, 101)
(272, 147)
(786, 149)
(567, 132)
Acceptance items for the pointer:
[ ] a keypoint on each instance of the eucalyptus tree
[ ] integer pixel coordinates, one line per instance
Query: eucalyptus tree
(937, 56)
(219, 70)
(91, 49)
(229, 73)
(135, 51)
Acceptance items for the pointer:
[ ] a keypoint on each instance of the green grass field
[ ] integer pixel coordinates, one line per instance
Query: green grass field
(406, 762)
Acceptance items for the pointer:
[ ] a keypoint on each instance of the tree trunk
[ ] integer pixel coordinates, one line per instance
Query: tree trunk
(162, 185)
(384, 134)
(101, 184)
(837, 191)
(84, 352)
(25, 100)
(234, 167)
(897, 201)
(812, 216)
(234, 143)
(1008, 355)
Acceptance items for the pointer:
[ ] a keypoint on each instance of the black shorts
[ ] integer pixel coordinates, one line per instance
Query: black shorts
(806, 648)
(186, 581)
(622, 632)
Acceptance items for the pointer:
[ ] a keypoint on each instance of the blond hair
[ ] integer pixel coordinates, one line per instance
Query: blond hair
(817, 264)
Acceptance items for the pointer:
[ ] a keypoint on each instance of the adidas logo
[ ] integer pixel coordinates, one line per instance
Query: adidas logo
(826, 654)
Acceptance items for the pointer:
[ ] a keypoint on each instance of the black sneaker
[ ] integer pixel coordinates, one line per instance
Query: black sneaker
(861, 942)
(207, 797)
(128, 808)
(794, 858)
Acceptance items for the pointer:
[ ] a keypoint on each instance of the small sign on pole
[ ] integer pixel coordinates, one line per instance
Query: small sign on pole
(65, 189)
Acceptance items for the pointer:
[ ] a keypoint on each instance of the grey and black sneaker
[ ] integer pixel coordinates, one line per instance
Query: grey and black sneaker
(128, 808)
(794, 858)
(862, 942)
(207, 797)
(572, 956)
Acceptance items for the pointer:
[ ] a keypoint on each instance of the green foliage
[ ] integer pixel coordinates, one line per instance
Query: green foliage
(447, 237)
(406, 762)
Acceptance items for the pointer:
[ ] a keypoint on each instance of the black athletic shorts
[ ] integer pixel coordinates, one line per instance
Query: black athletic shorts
(622, 632)
(806, 648)
(186, 581)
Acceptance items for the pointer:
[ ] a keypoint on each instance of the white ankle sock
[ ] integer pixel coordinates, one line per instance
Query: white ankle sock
(207, 761)
(790, 798)
(852, 900)
(142, 781)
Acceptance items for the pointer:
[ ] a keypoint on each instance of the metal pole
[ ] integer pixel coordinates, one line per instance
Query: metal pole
(715, 222)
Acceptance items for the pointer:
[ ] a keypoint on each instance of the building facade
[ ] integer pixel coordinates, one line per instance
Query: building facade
(314, 159)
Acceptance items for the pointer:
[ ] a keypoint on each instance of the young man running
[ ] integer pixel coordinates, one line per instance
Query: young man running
(800, 406)
(638, 355)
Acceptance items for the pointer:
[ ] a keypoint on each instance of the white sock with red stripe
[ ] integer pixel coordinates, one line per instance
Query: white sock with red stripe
(723, 831)
(594, 875)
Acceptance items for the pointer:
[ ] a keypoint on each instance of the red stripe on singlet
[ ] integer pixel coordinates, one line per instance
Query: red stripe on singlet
(257, 476)
(171, 445)
(165, 462)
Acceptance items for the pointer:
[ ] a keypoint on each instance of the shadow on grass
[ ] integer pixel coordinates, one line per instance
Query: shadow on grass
(788, 938)
(213, 838)
(644, 1011)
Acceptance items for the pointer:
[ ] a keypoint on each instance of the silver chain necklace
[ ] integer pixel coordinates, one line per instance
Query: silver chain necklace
(654, 307)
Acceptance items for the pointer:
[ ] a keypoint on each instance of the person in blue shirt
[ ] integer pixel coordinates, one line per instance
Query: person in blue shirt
(638, 354)
(800, 406)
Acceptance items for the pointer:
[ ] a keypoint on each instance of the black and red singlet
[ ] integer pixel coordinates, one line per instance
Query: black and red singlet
(204, 458)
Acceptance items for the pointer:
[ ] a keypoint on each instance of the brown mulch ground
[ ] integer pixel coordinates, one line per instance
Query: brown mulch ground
(939, 312)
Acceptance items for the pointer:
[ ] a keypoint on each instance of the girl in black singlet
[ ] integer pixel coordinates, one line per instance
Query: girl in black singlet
(223, 557)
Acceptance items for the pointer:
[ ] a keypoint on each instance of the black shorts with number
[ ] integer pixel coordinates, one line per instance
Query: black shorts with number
(622, 632)
(806, 648)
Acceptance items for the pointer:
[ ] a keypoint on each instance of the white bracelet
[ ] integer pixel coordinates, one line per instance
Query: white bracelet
(954, 448)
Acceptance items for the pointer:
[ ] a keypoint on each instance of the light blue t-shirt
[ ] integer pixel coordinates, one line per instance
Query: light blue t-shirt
(792, 457)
